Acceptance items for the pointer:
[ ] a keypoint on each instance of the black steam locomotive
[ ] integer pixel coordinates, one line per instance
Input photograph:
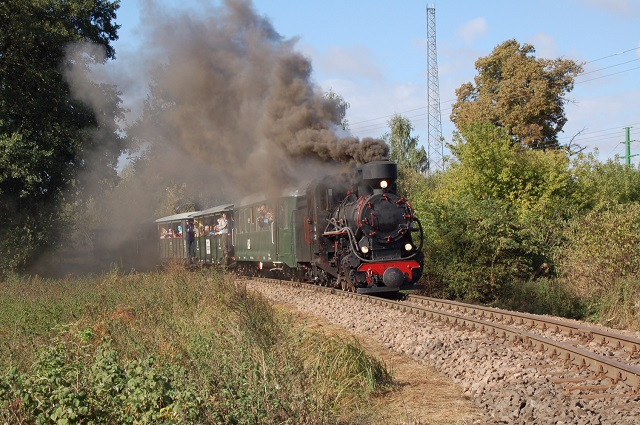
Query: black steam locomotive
(350, 231)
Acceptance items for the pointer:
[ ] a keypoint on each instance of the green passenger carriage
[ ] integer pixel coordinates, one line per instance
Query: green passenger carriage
(264, 232)
(209, 246)
(172, 245)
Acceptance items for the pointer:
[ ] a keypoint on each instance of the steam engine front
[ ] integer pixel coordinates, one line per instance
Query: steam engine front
(370, 240)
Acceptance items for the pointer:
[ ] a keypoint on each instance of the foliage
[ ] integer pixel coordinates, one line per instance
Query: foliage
(44, 137)
(502, 202)
(542, 296)
(170, 347)
(619, 305)
(602, 249)
(604, 182)
(492, 166)
(404, 147)
(515, 91)
(341, 106)
(473, 248)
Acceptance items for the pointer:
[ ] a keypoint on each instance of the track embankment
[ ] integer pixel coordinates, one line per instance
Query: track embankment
(507, 374)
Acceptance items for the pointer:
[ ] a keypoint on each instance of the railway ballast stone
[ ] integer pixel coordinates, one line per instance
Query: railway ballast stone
(496, 375)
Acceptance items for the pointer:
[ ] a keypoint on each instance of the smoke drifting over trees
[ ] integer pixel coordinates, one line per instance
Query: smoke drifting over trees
(230, 109)
(232, 103)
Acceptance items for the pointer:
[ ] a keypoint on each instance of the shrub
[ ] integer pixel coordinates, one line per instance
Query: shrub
(475, 247)
(602, 248)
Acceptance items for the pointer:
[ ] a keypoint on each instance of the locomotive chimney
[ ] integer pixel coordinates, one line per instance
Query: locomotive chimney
(377, 177)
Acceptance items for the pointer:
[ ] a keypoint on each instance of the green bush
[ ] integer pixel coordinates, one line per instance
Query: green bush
(475, 247)
(603, 247)
(494, 218)
(542, 296)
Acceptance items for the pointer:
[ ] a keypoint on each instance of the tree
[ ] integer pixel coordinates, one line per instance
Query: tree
(44, 132)
(404, 147)
(341, 106)
(520, 93)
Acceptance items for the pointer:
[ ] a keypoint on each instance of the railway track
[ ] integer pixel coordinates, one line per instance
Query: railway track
(552, 371)
(612, 359)
(607, 354)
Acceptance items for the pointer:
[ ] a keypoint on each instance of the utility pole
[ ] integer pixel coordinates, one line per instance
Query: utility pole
(627, 143)
(435, 147)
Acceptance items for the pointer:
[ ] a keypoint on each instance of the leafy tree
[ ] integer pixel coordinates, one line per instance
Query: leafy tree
(495, 217)
(44, 132)
(404, 147)
(518, 92)
(341, 105)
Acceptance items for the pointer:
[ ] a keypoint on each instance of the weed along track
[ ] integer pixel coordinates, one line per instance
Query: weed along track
(518, 368)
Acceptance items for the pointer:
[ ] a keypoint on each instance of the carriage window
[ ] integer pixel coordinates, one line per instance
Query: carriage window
(264, 216)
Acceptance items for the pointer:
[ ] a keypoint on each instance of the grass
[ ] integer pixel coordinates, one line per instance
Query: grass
(170, 347)
(542, 296)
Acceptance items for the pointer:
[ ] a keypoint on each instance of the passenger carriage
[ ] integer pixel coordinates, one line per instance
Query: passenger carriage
(171, 240)
(209, 246)
(264, 233)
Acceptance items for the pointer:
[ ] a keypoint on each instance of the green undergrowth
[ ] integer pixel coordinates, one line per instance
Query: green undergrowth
(542, 296)
(171, 347)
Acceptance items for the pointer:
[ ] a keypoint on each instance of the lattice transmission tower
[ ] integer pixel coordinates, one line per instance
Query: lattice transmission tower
(435, 145)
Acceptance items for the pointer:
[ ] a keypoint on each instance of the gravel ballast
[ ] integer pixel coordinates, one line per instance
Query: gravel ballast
(509, 383)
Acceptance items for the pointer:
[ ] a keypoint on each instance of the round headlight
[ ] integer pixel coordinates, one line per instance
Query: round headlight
(384, 184)
(364, 249)
(408, 247)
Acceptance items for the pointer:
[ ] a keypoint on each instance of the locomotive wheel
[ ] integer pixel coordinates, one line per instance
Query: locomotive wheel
(343, 284)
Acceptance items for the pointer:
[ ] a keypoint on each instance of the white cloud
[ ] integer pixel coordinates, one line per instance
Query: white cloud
(545, 46)
(619, 7)
(473, 29)
(351, 62)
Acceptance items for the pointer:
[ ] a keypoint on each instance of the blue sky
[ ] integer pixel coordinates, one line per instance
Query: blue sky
(373, 53)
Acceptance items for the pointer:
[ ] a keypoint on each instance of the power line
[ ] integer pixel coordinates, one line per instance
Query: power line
(374, 126)
(611, 66)
(606, 129)
(608, 75)
(614, 54)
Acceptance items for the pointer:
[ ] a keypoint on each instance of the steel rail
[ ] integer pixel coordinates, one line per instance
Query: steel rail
(596, 363)
(604, 337)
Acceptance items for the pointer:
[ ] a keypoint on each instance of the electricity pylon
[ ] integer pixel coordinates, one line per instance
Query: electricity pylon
(435, 145)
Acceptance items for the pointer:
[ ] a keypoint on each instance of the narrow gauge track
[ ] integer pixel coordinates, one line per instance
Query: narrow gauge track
(515, 327)
(627, 348)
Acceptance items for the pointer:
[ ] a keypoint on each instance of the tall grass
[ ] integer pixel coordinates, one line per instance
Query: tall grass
(170, 347)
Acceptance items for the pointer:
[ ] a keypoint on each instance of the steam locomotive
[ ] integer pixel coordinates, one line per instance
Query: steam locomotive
(349, 231)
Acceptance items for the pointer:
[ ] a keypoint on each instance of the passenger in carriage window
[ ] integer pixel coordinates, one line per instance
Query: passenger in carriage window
(268, 217)
(261, 211)
(170, 233)
(190, 234)
(223, 224)
(224, 231)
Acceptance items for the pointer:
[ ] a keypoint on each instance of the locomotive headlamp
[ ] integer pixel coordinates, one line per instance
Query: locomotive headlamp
(384, 184)
(364, 249)
(408, 247)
